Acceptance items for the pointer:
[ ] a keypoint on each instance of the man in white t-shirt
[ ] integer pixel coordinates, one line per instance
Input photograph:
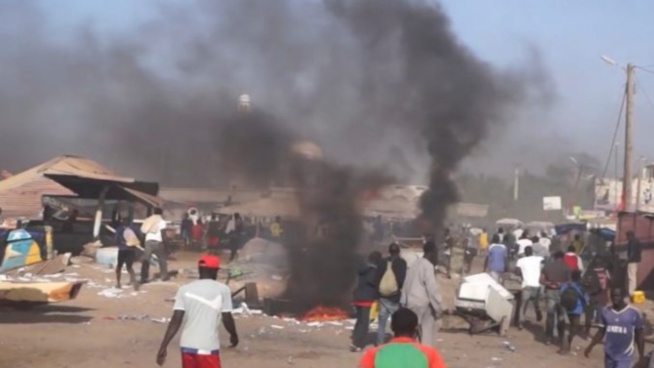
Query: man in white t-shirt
(523, 242)
(200, 308)
(153, 228)
(545, 240)
(529, 267)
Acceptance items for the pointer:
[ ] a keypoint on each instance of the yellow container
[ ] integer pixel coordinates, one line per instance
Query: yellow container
(639, 297)
(374, 311)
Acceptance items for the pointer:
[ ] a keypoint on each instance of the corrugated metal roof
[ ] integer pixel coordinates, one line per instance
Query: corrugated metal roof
(20, 195)
(62, 165)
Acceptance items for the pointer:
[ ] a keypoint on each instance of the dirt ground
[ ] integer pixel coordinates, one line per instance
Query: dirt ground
(87, 332)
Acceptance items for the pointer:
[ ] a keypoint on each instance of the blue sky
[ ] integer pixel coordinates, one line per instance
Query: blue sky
(570, 36)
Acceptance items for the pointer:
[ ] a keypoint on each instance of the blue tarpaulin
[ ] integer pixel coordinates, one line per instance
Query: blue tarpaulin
(566, 228)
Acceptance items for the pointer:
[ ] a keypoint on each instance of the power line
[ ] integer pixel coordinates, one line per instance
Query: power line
(645, 69)
(615, 135)
(647, 96)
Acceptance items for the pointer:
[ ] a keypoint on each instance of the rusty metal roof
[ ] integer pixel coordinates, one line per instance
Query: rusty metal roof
(20, 195)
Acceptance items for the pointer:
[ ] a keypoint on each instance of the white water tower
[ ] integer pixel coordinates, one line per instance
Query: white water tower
(244, 103)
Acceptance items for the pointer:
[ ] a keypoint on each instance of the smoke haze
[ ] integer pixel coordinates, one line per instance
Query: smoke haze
(376, 83)
(148, 101)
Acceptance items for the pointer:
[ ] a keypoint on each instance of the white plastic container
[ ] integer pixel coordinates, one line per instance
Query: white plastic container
(481, 294)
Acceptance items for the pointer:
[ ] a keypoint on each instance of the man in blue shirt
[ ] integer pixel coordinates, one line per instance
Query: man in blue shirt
(620, 325)
(496, 260)
(575, 310)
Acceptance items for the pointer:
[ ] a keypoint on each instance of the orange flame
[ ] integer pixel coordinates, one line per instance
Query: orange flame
(322, 313)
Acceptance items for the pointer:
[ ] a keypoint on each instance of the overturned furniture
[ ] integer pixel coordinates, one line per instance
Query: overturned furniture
(484, 304)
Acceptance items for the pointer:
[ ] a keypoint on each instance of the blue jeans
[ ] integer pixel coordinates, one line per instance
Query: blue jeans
(386, 309)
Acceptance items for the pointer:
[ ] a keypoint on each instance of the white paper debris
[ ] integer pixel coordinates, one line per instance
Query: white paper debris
(111, 293)
(276, 327)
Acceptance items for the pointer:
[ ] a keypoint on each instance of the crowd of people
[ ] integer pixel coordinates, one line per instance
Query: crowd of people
(410, 295)
(571, 291)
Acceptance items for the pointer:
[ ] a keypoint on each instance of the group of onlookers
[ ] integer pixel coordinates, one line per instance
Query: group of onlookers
(409, 294)
(572, 291)
(392, 284)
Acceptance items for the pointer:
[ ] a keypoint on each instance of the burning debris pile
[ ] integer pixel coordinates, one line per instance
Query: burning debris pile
(322, 246)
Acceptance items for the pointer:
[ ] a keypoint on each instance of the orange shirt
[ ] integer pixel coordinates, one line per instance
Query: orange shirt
(402, 352)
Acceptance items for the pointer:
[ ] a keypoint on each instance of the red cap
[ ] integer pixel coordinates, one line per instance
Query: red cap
(209, 261)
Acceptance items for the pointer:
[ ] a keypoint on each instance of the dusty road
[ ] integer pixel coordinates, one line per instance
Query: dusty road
(85, 333)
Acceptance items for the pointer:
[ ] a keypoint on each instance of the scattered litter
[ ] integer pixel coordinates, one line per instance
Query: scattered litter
(508, 346)
(350, 328)
(111, 293)
(315, 324)
(495, 359)
(276, 277)
(76, 266)
(160, 320)
(334, 323)
(290, 360)
(277, 327)
(261, 331)
(71, 274)
(352, 321)
(4, 278)
(127, 317)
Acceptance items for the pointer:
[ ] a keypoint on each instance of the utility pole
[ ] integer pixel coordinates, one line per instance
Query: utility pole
(516, 183)
(626, 173)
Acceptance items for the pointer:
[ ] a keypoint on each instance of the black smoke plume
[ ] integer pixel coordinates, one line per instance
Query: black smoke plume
(430, 85)
(322, 243)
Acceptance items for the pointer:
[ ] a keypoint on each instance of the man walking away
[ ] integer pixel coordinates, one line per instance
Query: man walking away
(529, 268)
(364, 295)
(391, 275)
(153, 227)
(497, 259)
(200, 308)
(574, 299)
(421, 293)
(539, 249)
(545, 241)
(523, 243)
(620, 325)
(634, 258)
(596, 281)
(572, 260)
(483, 241)
(127, 240)
(554, 274)
(402, 350)
(234, 232)
(471, 250)
(213, 234)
